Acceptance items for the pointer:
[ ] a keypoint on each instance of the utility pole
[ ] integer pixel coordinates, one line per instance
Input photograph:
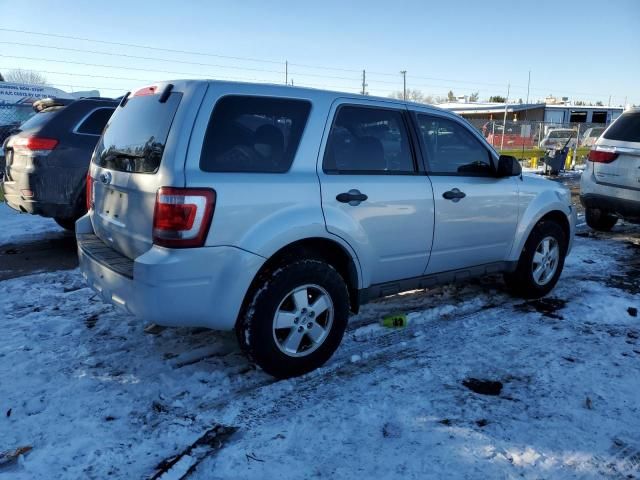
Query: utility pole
(528, 85)
(364, 82)
(609, 100)
(404, 84)
(504, 124)
(286, 72)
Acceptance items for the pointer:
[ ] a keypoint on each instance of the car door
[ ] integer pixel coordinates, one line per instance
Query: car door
(373, 194)
(476, 213)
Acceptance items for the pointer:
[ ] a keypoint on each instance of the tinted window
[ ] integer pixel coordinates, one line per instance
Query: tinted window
(451, 148)
(38, 120)
(136, 135)
(561, 134)
(626, 128)
(368, 140)
(95, 122)
(253, 134)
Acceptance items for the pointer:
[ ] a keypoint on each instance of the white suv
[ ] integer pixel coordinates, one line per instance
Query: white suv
(276, 211)
(610, 185)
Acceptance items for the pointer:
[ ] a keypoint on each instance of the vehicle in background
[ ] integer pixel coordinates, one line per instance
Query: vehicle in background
(277, 210)
(558, 138)
(48, 157)
(590, 136)
(610, 184)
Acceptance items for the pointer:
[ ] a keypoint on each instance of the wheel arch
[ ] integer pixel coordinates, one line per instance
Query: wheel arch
(321, 248)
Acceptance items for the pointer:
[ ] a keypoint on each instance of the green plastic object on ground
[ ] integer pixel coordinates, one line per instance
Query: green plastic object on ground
(395, 320)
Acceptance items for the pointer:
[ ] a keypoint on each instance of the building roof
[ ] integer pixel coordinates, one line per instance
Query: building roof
(490, 107)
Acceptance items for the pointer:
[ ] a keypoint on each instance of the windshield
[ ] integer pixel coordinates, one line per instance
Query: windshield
(38, 120)
(135, 137)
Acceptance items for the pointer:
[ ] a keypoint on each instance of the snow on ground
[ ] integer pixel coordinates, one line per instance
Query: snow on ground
(96, 396)
(15, 226)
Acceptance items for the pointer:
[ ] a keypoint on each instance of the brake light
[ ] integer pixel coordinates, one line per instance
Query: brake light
(89, 192)
(34, 144)
(599, 156)
(146, 91)
(182, 216)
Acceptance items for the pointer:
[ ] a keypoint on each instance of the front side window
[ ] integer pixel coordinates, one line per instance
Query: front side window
(368, 140)
(451, 148)
(253, 134)
(95, 122)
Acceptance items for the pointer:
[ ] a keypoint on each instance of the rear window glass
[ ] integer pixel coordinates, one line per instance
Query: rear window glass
(253, 134)
(38, 120)
(560, 134)
(625, 129)
(135, 137)
(95, 122)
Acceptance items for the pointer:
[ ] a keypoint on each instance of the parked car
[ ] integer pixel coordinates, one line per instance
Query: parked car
(276, 211)
(591, 135)
(610, 184)
(47, 159)
(558, 138)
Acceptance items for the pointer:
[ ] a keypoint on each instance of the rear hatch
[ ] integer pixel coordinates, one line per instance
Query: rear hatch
(142, 148)
(618, 161)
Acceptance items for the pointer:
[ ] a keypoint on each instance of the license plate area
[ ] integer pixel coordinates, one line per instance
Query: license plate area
(113, 206)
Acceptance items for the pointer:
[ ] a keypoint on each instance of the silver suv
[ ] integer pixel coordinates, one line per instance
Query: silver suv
(276, 211)
(610, 185)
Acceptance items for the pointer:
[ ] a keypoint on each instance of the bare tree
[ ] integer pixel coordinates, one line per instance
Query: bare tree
(474, 97)
(25, 76)
(415, 95)
(451, 96)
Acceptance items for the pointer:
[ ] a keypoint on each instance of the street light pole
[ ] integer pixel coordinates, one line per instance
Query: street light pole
(404, 84)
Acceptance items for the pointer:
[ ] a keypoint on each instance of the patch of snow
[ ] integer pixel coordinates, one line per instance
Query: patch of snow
(18, 227)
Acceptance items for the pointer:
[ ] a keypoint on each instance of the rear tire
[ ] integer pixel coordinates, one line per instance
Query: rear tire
(66, 223)
(296, 319)
(540, 263)
(600, 220)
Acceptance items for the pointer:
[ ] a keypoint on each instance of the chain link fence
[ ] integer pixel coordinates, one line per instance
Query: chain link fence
(529, 140)
(11, 116)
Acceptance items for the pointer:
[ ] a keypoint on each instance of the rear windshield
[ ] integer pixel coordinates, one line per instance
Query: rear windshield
(253, 134)
(135, 137)
(38, 120)
(560, 134)
(625, 129)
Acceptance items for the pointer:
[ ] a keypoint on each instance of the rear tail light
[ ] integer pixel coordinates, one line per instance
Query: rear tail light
(599, 156)
(146, 91)
(39, 145)
(182, 216)
(89, 192)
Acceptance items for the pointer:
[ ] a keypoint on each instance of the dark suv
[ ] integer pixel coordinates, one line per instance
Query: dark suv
(47, 159)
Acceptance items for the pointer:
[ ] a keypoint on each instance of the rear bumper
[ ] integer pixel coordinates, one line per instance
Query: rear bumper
(621, 206)
(198, 287)
(50, 197)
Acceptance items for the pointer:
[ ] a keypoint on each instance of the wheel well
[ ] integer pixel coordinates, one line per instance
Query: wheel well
(320, 248)
(561, 219)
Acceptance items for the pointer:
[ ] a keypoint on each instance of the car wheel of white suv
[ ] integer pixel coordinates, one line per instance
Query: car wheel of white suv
(296, 319)
(540, 263)
(600, 220)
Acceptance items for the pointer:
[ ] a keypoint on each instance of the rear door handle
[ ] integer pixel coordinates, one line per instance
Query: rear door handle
(454, 195)
(353, 197)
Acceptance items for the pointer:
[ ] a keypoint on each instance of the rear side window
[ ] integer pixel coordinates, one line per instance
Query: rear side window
(625, 129)
(95, 122)
(368, 140)
(253, 134)
(135, 137)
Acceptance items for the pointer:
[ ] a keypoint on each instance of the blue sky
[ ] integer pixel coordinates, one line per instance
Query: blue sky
(586, 50)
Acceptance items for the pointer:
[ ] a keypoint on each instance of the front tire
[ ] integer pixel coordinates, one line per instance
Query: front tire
(600, 220)
(541, 262)
(296, 319)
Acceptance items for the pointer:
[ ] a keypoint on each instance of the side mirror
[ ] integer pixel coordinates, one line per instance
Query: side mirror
(508, 166)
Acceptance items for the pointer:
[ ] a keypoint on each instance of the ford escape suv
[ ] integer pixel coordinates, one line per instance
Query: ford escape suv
(610, 184)
(48, 157)
(276, 211)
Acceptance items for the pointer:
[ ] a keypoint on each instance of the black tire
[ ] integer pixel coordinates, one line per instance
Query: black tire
(255, 329)
(600, 220)
(521, 282)
(66, 223)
